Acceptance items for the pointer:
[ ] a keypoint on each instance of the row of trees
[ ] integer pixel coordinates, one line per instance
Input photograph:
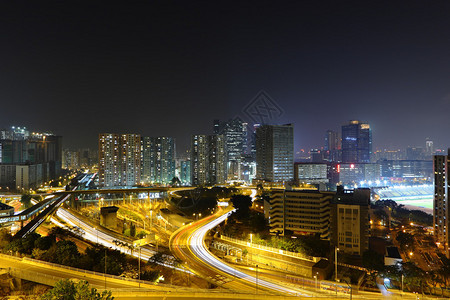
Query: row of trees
(68, 290)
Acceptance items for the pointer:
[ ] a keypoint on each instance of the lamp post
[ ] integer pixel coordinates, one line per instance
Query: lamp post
(256, 281)
(402, 284)
(105, 268)
(251, 239)
(336, 249)
(151, 219)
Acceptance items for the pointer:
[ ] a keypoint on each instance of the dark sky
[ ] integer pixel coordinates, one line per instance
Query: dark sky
(170, 68)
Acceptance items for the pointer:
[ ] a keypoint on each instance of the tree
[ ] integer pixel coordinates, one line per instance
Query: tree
(175, 181)
(406, 240)
(373, 260)
(64, 253)
(242, 204)
(26, 201)
(157, 259)
(67, 290)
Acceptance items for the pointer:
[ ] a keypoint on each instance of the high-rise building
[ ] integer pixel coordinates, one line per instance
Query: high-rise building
(275, 153)
(356, 142)
(415, 153)
(37, 156)
(429, 147)
(119, 159)
(332, 146)
(185, 172)
(440, 203)
(158, 160)
(235, 133)
(208, 159)
(350, 220)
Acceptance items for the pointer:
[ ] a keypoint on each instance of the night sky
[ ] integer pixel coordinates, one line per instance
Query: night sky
(170, 68)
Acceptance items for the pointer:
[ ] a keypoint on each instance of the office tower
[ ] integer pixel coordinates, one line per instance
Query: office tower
(235, 133)
(332, 141)
(275, 153)
(356, 142)
(300, 212)
(119, 159)
(158, 160)
(429, 147)
(316, 155)
(185, 172)
(332, 146)
(208, 159)
(414, 153)
(440, 203)
(217, 127)
(350, 220)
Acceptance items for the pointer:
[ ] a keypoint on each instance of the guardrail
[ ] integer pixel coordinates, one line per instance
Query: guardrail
(81, 271)
(270, 249)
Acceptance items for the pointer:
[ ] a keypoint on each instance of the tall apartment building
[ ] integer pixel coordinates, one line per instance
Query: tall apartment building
(350, 220)
(275, 153)
(300, 212)
(119, 159)
(356, 142)
(208, 159)
(441, 165)
(157, 160)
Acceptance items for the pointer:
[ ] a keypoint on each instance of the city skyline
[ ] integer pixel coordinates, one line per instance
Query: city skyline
(148, 69)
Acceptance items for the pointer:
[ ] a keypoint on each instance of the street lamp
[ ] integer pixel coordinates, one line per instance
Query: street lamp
(315, 277)
(251, 238)
(336, 249)
(151, 219)
(139, 264)
(256, 282)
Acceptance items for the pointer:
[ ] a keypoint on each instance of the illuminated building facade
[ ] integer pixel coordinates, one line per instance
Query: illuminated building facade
(158, 160)
(119, 159)
(208, 159)
(440, 203)
(301, 212)
(28, 160)
(350, 220)
(356, 142)
(235, 133)
(275, 153)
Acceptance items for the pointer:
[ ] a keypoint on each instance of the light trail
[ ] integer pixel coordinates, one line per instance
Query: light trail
(196, 243)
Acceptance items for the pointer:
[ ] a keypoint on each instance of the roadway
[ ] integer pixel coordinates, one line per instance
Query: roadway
(188, 245)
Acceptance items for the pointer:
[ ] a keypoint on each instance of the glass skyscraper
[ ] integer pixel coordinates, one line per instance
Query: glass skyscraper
(356, 142)
(275, 153)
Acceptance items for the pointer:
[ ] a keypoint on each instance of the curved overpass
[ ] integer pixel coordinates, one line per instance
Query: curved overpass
(188, 244)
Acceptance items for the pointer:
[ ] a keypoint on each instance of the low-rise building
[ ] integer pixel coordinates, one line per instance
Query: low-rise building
(300, 211)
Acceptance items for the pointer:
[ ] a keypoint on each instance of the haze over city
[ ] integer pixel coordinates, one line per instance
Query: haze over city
(170, 69)
(228, 150)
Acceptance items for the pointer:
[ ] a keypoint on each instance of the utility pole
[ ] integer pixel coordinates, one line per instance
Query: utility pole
(105, 268)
